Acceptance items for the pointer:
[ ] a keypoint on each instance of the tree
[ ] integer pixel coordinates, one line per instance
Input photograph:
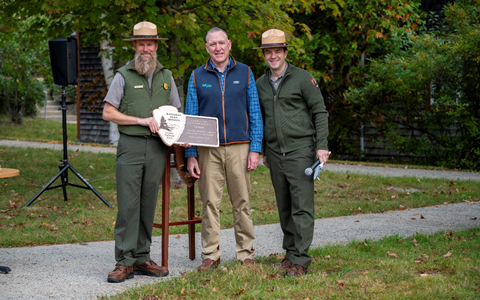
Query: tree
(185, 23)
(424, 98)
(339, 43)
(23, 58)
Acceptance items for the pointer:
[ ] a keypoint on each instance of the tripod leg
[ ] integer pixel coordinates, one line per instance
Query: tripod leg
(89, 186)
(64, 181)
(64, 169)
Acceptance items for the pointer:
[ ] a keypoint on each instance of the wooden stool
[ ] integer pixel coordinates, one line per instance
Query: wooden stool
(5, 173)
(179, 164)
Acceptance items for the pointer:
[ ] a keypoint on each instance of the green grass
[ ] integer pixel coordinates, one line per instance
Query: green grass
(84, 217)
(36, 130)
(358, 270)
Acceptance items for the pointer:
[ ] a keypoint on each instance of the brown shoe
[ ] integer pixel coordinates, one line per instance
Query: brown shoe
(120, 273)
(150, 268)
(208, 264)
(296, 270)
(248, 262)
(284, 264)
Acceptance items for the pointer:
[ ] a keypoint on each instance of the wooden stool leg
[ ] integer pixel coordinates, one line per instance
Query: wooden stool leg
(191, 215)
(165, 210)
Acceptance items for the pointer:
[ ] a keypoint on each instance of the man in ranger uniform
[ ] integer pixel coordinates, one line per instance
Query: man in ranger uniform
(225, 89)
(138, 88)
(295, 134)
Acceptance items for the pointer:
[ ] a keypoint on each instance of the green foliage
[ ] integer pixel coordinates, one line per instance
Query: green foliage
(336, 46)
(424, 98)
(23, 60)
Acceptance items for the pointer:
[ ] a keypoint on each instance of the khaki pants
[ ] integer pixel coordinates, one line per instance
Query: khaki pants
(217, 165)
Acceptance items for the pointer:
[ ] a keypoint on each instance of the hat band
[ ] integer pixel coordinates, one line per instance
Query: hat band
(145, 36)
(274, 45)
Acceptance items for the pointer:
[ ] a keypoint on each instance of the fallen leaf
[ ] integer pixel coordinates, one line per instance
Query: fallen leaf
(215, 289)
(426, 256)
(401, 207)
(328, 256)
(392, 254)
(473, 218)
(422, 217)
(413, 218)
(177, 237)
(423, 275)
(448, 254)
(182, 291)
(356, 221)
(418, 260)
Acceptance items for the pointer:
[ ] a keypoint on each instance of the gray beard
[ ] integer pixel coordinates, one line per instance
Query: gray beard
(145, 67)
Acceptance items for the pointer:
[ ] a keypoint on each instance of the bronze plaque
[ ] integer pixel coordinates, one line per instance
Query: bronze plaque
(200, 131)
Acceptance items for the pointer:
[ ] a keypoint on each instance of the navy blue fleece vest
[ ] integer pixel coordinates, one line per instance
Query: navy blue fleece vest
(230, 108)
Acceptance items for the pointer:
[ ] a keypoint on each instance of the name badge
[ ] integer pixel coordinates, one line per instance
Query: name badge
(138, 87)
(236, 82)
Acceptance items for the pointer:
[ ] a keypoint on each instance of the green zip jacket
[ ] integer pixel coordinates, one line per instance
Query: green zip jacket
(137, 101)
(294, 116)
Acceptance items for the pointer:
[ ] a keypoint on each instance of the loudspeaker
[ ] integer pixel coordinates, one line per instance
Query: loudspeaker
(63, 59)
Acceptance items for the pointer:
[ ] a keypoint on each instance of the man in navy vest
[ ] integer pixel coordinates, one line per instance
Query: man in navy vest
(225, 89)
(140, 86)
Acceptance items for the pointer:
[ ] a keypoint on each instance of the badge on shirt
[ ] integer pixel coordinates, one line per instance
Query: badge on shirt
(165, 86)
(138, 87)
(314, 82)
(236, 82)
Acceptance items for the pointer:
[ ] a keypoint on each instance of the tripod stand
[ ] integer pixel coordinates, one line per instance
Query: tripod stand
(65, 166)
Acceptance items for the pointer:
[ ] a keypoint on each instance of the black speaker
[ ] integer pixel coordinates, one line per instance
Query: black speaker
(63, 58)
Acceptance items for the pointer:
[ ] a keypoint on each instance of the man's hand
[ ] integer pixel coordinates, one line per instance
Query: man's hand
(265, 163)
(192, 166)
(253, 160)
(152, 124)
(323, 155)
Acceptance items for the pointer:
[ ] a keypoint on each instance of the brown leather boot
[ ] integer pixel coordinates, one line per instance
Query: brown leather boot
(296, 270)
(150, 268)
(208, 264)
(120, 273)
(284, 264)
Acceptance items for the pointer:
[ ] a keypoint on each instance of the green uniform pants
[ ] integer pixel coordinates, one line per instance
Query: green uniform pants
(294, 192)
(140, 166)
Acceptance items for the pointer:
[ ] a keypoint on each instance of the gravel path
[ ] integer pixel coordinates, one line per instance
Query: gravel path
(79, 271)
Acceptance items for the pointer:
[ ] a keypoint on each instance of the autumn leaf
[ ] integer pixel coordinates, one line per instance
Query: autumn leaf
(392, 254)
(448, 254)
(418, 260)
(401, 206)
(182, 291)
(422, 217)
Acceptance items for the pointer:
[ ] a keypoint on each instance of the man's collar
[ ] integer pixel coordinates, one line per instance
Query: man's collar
(229, 65)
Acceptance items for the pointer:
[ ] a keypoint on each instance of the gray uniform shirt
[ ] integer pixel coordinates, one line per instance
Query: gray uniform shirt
(117, 87)
(276, 83)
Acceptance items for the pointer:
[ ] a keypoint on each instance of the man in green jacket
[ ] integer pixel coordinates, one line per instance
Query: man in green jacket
(138, 88)
(295, 135)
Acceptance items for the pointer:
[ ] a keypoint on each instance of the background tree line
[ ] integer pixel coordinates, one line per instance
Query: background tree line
(364, 54)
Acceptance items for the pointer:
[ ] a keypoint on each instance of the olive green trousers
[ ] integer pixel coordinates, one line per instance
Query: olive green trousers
(140, 165)
(294, 192)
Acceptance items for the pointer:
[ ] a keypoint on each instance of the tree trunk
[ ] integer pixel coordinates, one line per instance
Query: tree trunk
(107, 65)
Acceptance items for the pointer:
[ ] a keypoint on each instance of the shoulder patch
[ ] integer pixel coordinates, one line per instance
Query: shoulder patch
(314, 82)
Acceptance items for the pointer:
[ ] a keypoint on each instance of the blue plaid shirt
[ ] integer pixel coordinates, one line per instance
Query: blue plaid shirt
(254, 114)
